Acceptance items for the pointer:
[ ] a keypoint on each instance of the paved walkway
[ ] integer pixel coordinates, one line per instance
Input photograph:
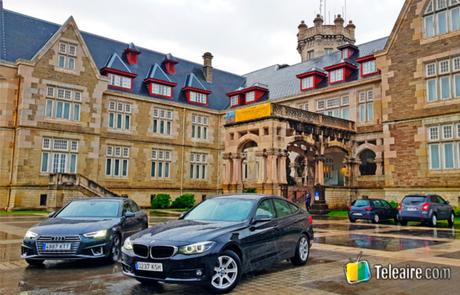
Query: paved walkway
(336, 242)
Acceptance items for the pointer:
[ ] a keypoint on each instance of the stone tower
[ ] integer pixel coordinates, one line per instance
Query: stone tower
(323, 38)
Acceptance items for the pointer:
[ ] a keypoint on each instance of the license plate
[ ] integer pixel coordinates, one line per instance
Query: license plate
(148, 266)
(57, 246)
(411, 209)
(358, 214)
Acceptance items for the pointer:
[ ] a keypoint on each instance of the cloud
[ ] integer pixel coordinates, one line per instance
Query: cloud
(243, 35)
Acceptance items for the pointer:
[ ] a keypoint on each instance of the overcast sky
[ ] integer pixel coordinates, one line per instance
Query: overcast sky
(243, 35)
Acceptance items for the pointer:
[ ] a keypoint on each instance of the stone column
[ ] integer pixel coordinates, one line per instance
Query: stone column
(282, 168)
(236, 179)
(320, 170)
(261, 156)
(227, 179)
(379, 165)
(272, 166)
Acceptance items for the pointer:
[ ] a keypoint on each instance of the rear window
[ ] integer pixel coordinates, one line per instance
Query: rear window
(361, 203)
(412, 200)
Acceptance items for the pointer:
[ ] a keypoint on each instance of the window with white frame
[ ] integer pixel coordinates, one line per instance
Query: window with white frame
(303, 106)
(198, 97)
(62, 103)
(444, 146)
(369, 67)
(366, 106)
(336, 75)
(160, 89)
(200, 126)
(442, 79)
(119, 115)
(117, 161)
(120, 81)
(441, 16)
(162, 121)
(67, 56)
(250, 96)
(161, 163)
(338, 107)
(59, 155)
(308, 82)
(234, 100)
(198, 166)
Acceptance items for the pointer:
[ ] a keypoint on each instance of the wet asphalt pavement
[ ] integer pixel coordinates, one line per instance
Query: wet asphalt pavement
(336, 242)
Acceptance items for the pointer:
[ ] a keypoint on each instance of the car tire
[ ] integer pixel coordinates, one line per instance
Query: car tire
(352, 220)
(376, 219)
(115, 249)
(226, 273)
(302, 251)
(35, 262)
(451, 220)
(433, 220)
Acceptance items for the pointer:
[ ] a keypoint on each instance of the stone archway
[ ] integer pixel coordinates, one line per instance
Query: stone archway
(335, 166)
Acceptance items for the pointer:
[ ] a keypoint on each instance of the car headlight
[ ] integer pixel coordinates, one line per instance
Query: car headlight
(96, 234)
(30, 235)
(196, 248)
(127, 245)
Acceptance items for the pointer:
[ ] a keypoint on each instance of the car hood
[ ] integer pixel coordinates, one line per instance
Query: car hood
(185, 231)
(73, 226)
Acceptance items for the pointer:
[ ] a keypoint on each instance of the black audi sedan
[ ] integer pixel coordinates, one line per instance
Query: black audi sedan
(84, 229)
(218, 240)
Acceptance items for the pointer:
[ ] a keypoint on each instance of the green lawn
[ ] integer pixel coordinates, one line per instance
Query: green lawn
(338, 213)
(24, 212)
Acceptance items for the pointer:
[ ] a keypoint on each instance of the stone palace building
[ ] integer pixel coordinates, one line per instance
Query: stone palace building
(82, 115)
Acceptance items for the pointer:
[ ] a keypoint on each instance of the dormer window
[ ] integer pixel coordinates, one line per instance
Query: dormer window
(234, 100)
(368, 65)
(336, 76)
(169, 64)
(310, 80)
(162, 90)
(346, 53)
(158, 83)
(67, 56)
(307, 83)
(250, 96)
(197, 97)
(132, 53)
(348, 50)
(119, 81)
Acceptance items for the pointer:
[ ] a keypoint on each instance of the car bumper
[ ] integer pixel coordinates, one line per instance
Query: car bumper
(415, 216)
(361, 215)
(85, 249)
(179, 269)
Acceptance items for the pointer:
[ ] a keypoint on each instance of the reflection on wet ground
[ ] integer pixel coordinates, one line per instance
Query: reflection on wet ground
(346, 227)
(9, 252)
(376, 243)
(6, 236)
(453, 255)
(444, 234)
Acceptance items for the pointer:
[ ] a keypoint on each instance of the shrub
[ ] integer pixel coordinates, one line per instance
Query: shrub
(394, 204)
(456, 210)
(250, 190)
(161, 201)
(184, 201)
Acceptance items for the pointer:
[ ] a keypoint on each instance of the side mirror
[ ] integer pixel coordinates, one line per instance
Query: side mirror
(129, 214)
(51, 215)
(261, 218)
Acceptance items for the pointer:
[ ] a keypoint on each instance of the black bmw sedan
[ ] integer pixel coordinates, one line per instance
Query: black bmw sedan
(218, 240)
(84, 229)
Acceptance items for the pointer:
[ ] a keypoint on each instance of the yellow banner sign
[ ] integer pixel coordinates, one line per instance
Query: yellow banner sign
(253, 112)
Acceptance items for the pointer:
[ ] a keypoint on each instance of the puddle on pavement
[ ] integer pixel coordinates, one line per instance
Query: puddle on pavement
(453, 255)
(6, 236)
(445, 234)
(343, 227)
(376, 243)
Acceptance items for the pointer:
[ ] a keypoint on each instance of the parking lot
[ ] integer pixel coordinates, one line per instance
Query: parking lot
(336, 242)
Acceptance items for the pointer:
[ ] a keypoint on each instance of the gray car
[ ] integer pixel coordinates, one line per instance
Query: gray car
(425, 208)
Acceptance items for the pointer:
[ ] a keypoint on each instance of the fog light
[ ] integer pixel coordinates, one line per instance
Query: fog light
(199, 273)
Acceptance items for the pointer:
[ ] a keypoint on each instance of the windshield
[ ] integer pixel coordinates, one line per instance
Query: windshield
(361, 203)
(221, 209)
(413, 200)
(103, 209)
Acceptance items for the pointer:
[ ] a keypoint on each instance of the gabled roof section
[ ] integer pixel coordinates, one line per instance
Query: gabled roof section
(193, 82)
(116, 63)
(156, 72)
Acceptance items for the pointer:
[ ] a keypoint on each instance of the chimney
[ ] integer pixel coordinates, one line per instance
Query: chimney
(207, 66)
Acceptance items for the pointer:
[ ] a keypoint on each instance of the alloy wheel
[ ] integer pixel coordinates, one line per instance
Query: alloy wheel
(116, 248)
(304, 249)
(225, 273)
(376, 218)
(434, 220)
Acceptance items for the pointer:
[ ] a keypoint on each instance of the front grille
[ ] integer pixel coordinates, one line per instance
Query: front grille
(141, 250)
(73, 240)
(161, 252)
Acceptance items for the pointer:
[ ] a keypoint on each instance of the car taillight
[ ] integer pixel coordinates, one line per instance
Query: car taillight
(425, 206)
(368, 208)
(310, 219)
(400, 206)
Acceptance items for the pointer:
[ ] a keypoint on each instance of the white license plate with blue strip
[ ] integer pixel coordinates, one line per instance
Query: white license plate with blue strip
(148, 266)
(57, 246)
